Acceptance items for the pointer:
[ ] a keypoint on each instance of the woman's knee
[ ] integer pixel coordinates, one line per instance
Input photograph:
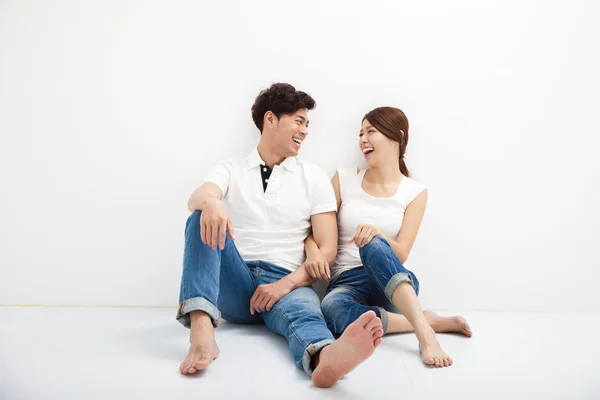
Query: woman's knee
(377, 244)
(336, 307)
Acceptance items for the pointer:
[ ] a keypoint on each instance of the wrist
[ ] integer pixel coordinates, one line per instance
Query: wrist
(211, 201)
(288, 283)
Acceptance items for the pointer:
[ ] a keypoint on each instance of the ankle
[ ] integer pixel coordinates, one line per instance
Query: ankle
(201, 321)
(314, 361)
(426, 335)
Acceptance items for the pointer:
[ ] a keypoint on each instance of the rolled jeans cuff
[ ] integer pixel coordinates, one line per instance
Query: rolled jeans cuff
(395, 281)
(197, 304)
(310, 352)
(384, 319)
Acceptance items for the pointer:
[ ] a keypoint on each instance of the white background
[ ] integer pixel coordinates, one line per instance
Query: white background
(112, 112)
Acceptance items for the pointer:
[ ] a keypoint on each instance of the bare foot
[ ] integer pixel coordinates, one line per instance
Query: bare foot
(203, 348)
(357, 343)
(448, 324)
(432, 352)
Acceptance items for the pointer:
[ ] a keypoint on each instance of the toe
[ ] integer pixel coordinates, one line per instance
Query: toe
(377, 326)
(365, 318)
(375, 323)
(191, 370)
(377, 341)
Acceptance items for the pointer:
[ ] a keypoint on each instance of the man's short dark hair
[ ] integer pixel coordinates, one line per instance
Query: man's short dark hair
(280, 98)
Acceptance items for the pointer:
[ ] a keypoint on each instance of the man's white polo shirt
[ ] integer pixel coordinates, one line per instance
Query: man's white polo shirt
(272, 225)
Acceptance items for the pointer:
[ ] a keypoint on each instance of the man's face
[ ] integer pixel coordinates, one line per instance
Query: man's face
(290, 131)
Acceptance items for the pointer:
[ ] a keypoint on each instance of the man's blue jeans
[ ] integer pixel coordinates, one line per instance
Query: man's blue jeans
(220, 282)
(365, 288)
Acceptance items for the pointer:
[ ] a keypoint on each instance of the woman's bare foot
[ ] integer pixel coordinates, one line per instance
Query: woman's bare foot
(431, 351)
(357, 343)
(448, 324)
(203, 346)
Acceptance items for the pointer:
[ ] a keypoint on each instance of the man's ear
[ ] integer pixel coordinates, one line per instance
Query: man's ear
(270, 119)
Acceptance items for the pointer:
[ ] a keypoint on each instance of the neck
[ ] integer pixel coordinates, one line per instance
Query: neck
(269, 154)
(385, 174)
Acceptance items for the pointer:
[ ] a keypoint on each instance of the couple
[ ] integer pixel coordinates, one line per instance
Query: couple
(264, 228)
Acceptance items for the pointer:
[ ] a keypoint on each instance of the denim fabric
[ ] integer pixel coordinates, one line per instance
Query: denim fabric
(221, 283)
(369, 287)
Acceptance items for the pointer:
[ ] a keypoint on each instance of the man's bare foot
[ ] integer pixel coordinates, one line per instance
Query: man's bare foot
(357, 343)
(448, 324)
(203, 347)
(431, 351)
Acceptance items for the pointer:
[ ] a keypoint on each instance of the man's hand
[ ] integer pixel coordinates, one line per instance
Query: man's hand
(214, 223)
(364, 234)
(265, 296)
(317, 267)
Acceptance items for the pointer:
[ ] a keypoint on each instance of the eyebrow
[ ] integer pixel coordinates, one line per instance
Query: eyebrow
(303, 119)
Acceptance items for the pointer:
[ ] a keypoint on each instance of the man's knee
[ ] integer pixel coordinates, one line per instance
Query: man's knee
(193, 219)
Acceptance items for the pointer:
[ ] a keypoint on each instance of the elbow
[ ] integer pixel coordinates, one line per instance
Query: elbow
(331, 254)
(190, 206)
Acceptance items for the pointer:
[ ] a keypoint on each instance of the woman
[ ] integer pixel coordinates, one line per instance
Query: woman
(379, 213)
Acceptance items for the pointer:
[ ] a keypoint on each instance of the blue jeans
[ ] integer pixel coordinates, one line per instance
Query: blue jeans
(365, 288)
(220, 282)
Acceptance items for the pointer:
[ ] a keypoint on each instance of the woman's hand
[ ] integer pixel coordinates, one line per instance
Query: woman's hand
(364, 234)
(317, 267)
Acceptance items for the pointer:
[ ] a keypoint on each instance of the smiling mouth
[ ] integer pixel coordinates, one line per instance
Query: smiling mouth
(368, 150)
(297, 141)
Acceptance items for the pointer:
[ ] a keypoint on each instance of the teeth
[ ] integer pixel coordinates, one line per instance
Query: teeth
(367, 149)
(296, 140)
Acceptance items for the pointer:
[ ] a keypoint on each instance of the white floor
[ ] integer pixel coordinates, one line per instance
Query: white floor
(111, 353)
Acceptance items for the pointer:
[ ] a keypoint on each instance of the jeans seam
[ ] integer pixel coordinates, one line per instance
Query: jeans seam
(291, 328)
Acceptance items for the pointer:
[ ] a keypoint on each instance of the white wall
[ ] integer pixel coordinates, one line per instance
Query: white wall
(112, 112)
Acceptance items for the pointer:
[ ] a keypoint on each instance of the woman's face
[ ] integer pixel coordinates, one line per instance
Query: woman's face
(377, 149)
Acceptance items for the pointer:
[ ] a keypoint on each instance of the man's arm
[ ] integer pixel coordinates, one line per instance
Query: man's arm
(214, 221)
(207, 192)
(325, 233)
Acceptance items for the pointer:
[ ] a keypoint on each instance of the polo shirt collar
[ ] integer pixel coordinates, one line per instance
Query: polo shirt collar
(254, 160)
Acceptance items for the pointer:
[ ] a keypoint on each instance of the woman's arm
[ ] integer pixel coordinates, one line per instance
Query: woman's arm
(413, 216)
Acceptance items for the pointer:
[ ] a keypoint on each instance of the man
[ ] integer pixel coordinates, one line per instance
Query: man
(244, 248)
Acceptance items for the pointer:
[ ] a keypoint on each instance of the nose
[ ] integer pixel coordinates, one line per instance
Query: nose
(304, 130)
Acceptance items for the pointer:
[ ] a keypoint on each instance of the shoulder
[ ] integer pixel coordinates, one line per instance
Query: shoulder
(347, 172)
(233, 164)
(413, 184)
(311, 170)
(411, 189)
